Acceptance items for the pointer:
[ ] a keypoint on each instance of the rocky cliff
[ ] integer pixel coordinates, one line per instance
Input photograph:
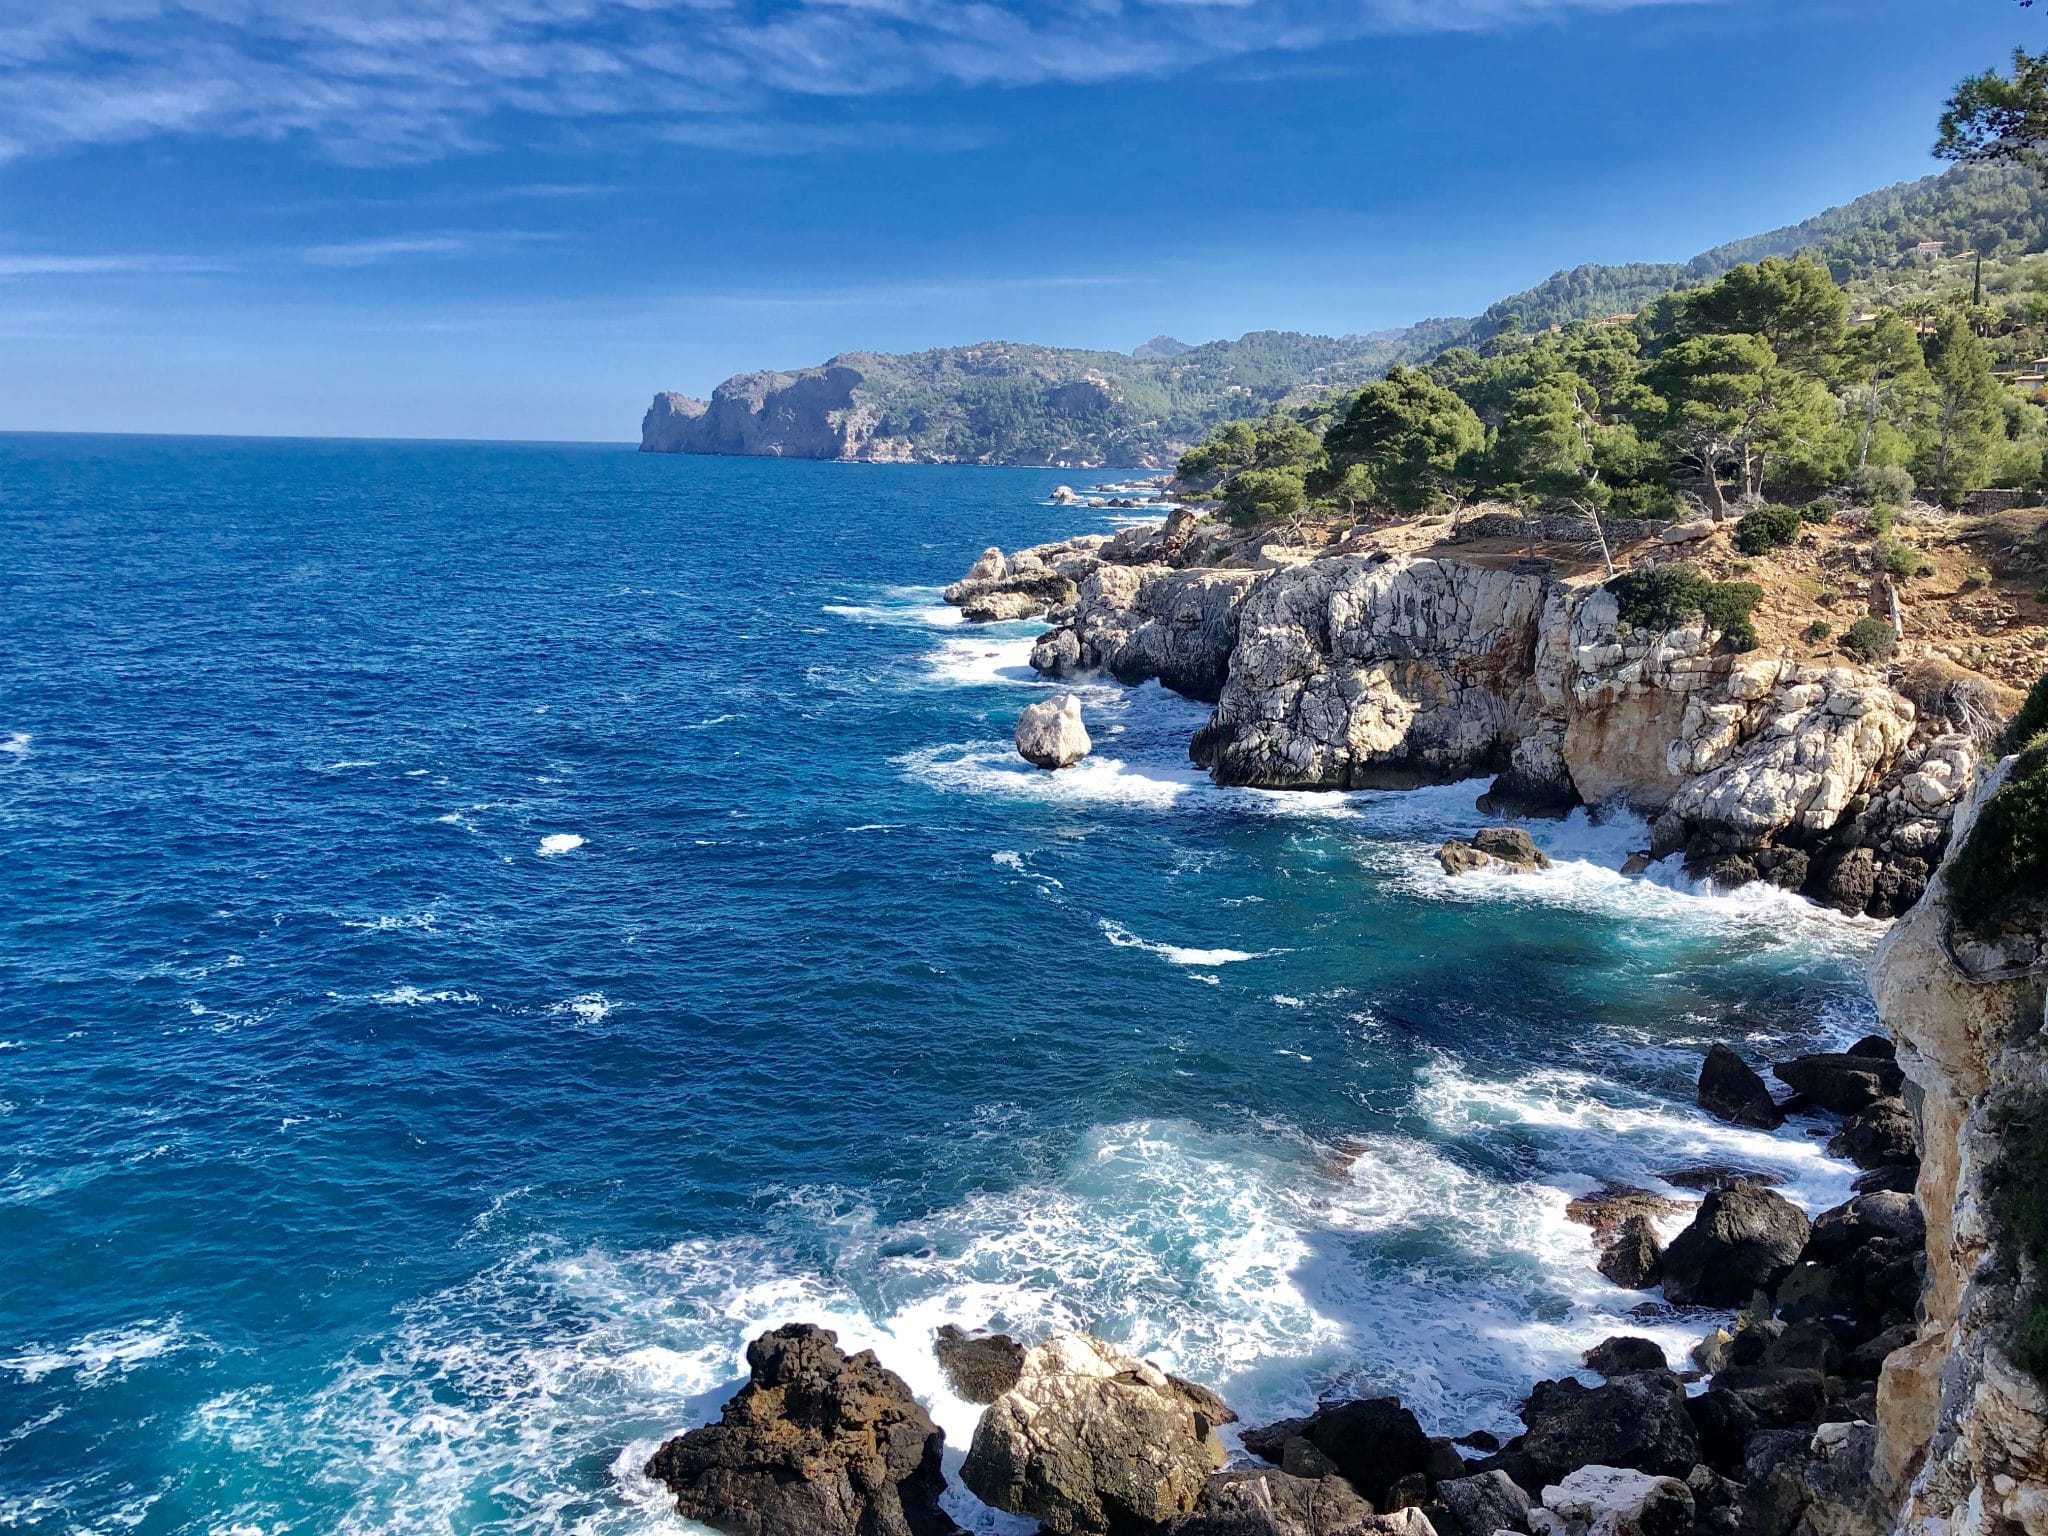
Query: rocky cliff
(1360, 668)
(1963, 1429)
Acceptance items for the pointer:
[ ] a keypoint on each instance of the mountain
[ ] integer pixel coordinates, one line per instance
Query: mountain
(1013, 403)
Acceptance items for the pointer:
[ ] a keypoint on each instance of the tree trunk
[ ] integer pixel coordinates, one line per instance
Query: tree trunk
(1869, 426)
(1715, 504)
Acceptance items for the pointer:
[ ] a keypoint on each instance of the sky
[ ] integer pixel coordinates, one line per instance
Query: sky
(518, 220)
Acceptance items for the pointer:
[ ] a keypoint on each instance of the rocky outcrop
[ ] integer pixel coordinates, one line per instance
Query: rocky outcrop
(1050, 733)
(1743, 1240)
(1638, 1421)
(816, 1444)
(1504, 848)
(1731, 1090)
(805, 415)
(1374, 1443)
(1963, 1430)
(1091, 1440)
(979, 1367)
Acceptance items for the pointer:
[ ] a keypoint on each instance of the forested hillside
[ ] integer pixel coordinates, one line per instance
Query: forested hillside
(1011, 403)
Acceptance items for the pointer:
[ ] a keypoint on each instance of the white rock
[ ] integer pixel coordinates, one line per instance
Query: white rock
(1686, 533)
(990, 567)
(1050, 733)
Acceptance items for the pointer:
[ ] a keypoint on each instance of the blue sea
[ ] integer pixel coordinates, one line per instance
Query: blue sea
(485, 930)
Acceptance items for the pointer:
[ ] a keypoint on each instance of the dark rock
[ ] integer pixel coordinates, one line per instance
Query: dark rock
(1483, 1504)
(1608, 1207)
(816, 1444)
(1822, 1485)
(1724, 1423)
(1624, 1354)
(1268, 1441)
(1841, 1082)
(1706, 1176)
(1636, 1421)
(1507, 848)
(1634, 1260)
(1719, 1505)
(1444, 1461)
(1410, 1492)
(1481, 1440)
(1847, 1228)
(1300, 1458)
(1875, 1047)
(1731, 1090)
(979, 1367)
(1373, 1441)
(1877, 1136)
(1780, 1396)
(1743, 1240)
(1900, 1177)
(1867, 1359)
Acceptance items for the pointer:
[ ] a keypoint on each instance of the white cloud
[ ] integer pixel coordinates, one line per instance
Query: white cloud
(396, 79)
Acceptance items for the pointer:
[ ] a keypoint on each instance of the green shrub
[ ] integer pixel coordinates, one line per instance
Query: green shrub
(1821, 509)
(1827, 597)
(2003, 864)
(1870, 640)
(1665, 596)
(2030, 722)
(1882, 485)
(1879, 522)
(1261, 495)
(1655, 503)
(1895, 558)
(1818, 631)
(1975, 577)
(2017, 1182)
(1766, 528)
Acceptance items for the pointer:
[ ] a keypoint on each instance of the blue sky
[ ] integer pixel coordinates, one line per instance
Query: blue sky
(520, 219)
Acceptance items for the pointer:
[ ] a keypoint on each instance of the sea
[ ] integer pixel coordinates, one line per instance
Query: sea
(486, 930)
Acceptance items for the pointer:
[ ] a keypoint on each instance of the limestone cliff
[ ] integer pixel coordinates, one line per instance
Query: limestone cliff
(1361, 669)
(1963, 1431)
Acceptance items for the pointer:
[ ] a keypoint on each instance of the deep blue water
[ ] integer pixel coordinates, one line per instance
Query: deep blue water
(486, 929)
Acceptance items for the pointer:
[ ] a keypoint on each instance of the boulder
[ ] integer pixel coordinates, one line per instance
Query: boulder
(1724, 1423)
(978, 1367)
(816, 1444)
(1840, 1081)
(1636, 1421)
(1635, 1259)
(1256, 1502)
(1880, 1135)
(1374, 1442)
(1779, 1395)
(1092, 1440)
(1731, 1090)
(1050, 733)
(1483, 1504)
(1063, 495)
(1744, 1238)
(1883, 1216)
(1057, 653)
(1618, 1501)
(1819, 1484)
(1506, 848)
(990, 567)
(1624, 1355)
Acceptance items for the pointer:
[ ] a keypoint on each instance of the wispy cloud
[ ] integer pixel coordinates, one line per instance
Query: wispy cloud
(414, 79)
(54, 265)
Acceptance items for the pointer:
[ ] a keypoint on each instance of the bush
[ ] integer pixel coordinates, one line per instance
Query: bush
(1765, 529)
(2029, 722)
(1818, 631)
(1895, 558)
(1662, 597)
(1821, 509)
(1975, 577)
(1870, 640)
(2018, 1186)
(1654, 503)
(1882, 485)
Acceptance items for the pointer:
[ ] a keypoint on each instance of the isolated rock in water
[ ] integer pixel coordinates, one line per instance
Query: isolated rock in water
(1050, 733)
(816, 1444)
(1841, 1082)
(1635, 1258)
(1483, 1504)
(1091, 1440)
(1743, 1240)
(1261, 1503)
(1624, 1355)
(1616, 1501)
(1636, 1421)
(979, 1367)
(1508, 848)
(1731, 1090)
(1063, 495)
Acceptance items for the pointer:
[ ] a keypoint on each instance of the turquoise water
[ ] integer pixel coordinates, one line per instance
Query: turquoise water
(487, 929)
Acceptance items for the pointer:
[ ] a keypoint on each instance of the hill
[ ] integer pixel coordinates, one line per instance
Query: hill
(1014, 403)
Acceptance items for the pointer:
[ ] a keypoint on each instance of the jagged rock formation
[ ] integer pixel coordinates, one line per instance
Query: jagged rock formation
(816, 1444)
(1963, 1431)
(1351, 670)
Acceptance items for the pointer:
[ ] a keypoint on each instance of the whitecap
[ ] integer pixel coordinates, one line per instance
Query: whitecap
(921, 616)
(106, 1351)
(15, 743)
(587, 1007)
(414, 997)
(1179, 954)
(556, 843)
(993, 654)
(977, 768)
(1007, 858)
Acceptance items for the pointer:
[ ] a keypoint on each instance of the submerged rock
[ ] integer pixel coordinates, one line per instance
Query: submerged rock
(816, 1444)
(1091, 1440)
(1731, 1090)
(979, 1367)
(1050, 733)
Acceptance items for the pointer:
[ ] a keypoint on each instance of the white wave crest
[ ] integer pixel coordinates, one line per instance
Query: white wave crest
(108, 1351)
(558, 843)
(1178, 954)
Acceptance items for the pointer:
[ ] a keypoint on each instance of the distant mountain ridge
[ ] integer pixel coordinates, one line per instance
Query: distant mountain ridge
(1015, 403)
